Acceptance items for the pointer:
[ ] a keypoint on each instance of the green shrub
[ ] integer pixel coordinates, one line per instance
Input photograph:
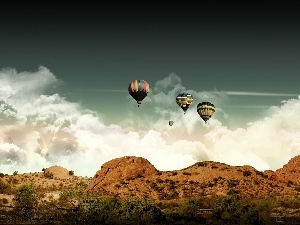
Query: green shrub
(231, 210)
(26, 201)
(190, 207)
(139, 211)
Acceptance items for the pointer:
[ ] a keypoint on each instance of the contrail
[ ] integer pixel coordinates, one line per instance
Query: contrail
(247, 106)
(102, 90)
(260, 94)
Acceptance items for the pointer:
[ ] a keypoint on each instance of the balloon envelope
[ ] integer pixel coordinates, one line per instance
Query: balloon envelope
(138, 89)
(205, 110)
(184, 100)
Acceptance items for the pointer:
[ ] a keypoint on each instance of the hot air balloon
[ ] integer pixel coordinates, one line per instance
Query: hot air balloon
(205, 110)
(184, 100)
(171, 123)
(138, 89)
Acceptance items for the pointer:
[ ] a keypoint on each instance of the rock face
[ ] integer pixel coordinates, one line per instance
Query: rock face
(58, 172)
(290, 171)
(135, 176)
(128, 167)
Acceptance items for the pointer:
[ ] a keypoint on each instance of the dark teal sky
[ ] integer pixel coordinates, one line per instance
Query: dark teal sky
(94, 48)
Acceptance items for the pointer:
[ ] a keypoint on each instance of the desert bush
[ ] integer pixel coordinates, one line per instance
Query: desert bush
(247, 173)
(71, 172)
(201, 164)
(289, 183)
(260, 174)
(210, 184)
(297, 188)
(122, 181)
(158, 180)
(12, 180)
(130, 178)
(68, 197)
(186, 173)
(139, 175)
(110, 210)
(231, 210)
(25, 201)
(139, 211)
(232, 183)
(233, 192)
(42, 195)
(95, 210)
(4, 187)
(190, 206)
(290, 203)
(4, 200)
(256, 182)
(48, 175)
(172, 195)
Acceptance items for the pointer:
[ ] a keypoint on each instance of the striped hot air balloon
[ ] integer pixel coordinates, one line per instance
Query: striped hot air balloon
(138, 89)
(205, 110)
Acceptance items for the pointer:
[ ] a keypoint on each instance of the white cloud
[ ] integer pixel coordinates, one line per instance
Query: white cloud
(23, 83)
(40, 130)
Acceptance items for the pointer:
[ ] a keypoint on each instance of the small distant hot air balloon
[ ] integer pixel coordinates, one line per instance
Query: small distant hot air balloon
(138, 89)
(171, 123)
(205, 110)
(184, 100)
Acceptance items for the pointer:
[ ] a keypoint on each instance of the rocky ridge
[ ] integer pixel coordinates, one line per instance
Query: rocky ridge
(136, 176)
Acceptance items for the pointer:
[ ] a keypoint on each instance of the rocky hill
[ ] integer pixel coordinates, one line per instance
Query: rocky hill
(136, 176)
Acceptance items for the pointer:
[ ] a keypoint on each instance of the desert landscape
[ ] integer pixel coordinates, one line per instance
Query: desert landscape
(135, 177)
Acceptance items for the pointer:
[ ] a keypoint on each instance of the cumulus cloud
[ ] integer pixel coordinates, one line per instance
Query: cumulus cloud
(39, 130)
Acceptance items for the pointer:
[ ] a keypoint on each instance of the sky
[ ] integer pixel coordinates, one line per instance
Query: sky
(64, 74)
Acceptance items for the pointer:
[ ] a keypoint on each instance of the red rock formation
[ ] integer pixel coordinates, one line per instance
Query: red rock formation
(290, 171)
(58, 172)
(121, 168)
